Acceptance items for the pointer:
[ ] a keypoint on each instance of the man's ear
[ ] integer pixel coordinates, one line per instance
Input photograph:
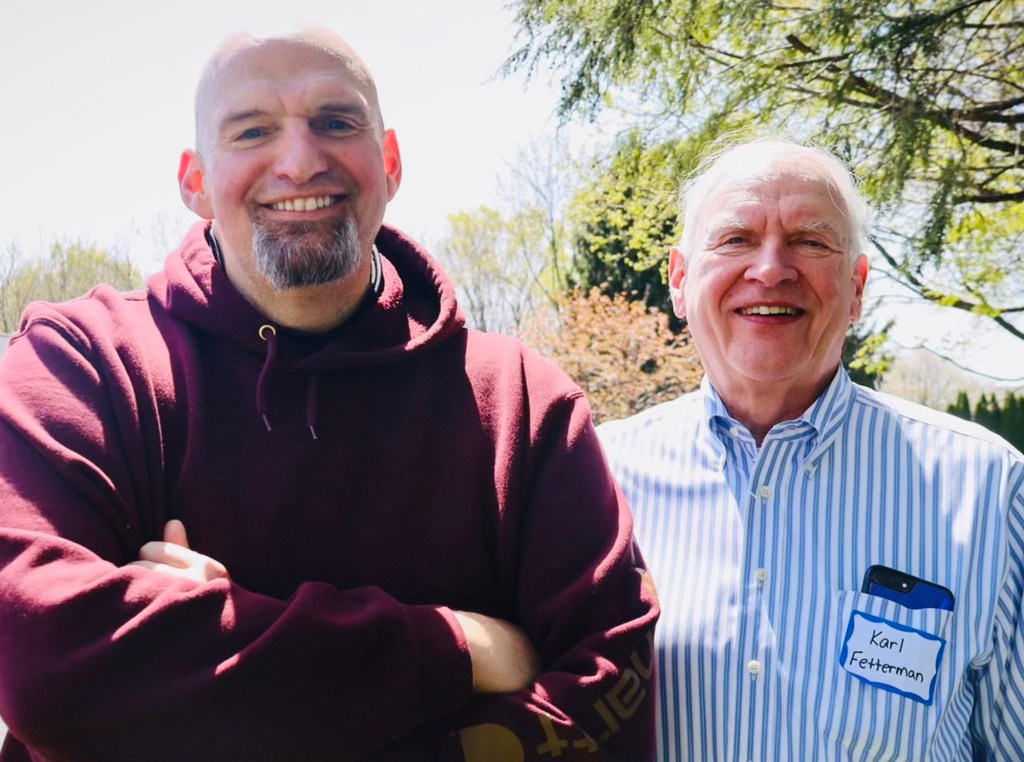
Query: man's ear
(192, 184)
(392, 163)
(676, 277)
(860, 277)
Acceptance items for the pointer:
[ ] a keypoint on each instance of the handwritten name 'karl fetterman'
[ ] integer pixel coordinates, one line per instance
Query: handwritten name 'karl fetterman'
(875, 664)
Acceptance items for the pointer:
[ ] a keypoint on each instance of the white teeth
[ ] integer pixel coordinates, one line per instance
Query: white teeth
(303, 204)
(763, 309)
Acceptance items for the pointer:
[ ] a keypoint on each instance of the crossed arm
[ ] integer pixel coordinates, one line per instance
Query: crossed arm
(503, 659)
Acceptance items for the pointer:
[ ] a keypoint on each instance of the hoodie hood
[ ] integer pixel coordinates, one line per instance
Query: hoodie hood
(415, 310)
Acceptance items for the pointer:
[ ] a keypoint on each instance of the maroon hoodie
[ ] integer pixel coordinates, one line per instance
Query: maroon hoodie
(411, 467)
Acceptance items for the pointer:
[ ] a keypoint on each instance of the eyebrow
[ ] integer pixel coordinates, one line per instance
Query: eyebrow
(354, 109)
(240, 116)
(737, 224)
(729, 223)
(820, 226)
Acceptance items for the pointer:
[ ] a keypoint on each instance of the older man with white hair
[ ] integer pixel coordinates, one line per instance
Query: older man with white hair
(841, 571)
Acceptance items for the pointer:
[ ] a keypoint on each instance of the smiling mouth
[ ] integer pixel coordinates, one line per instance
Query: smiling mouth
(770, 310)
(307, 204)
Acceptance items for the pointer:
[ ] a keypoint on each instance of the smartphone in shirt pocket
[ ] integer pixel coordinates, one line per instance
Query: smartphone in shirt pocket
(906, 589)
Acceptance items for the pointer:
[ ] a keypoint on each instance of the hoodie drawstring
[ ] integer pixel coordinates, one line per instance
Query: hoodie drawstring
(268, 333)
(312, 397)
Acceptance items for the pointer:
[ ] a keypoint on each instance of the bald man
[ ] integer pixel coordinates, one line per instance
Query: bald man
(282, 504)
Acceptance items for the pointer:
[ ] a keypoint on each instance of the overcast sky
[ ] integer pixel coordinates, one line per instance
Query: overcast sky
(97, 105)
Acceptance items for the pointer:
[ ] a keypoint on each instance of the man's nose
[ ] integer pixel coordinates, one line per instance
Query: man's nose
(301, 157)
(772, 264)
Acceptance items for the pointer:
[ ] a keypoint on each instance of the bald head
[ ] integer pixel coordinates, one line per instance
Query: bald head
(236, 48)
(767, 158)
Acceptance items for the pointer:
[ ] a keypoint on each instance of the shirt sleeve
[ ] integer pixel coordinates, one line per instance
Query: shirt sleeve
(587, 602)
(101, 661)
(997, 722)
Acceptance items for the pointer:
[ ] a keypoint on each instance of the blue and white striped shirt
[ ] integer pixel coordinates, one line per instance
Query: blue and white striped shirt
(759, 555)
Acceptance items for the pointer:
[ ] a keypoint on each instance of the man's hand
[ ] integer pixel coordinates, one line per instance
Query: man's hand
(503, 658)
(173, 556)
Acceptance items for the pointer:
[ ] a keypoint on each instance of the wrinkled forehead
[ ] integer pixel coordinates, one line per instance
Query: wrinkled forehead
(247, 71)
(800, 183)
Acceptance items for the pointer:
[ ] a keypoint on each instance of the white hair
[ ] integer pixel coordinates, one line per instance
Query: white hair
(756, 158)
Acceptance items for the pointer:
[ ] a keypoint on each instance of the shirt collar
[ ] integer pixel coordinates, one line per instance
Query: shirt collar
(822, 417)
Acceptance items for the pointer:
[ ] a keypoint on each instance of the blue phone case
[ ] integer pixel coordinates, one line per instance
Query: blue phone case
(906, 589)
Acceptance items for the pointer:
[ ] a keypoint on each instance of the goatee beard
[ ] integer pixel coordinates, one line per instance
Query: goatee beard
(296, 254)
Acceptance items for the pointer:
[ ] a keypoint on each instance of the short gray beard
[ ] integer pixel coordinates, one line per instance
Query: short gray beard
(296, 254)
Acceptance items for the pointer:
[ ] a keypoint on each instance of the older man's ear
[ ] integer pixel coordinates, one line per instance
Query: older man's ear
(860, 277)
(676, 276)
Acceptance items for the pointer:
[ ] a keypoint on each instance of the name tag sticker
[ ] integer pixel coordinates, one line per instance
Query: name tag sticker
(892, 656)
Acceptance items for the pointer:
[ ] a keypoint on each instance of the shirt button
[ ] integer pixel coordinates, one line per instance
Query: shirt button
(761, 575)
(765, 492)
(736, 431)
(754, 667)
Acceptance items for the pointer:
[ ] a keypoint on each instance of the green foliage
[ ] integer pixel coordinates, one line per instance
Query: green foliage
(67, 271)
(866, 354)
(504, 265)
(962, 406)
(627, 219)
(1007, 419)
(988, 413)
(923, 97)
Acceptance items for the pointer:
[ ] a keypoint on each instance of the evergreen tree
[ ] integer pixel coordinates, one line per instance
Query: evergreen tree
(962, 407)
(987, 412)
(1013, 420)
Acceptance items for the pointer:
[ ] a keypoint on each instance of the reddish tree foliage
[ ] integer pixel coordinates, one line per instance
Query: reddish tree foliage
(620, 352)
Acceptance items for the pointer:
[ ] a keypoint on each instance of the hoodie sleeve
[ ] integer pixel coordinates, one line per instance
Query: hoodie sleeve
(585, 599)
(101, 661)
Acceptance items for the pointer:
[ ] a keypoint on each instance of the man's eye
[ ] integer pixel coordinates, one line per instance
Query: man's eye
(814, 245)
(338, 125)
(252, 133)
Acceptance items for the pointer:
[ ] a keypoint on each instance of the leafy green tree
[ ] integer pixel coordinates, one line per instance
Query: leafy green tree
(511, 262)
(627, 219)
(924, 97)
(866, 354)
(502, 266)
(66, 271)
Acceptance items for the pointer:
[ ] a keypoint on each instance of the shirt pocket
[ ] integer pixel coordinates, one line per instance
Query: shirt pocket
(867, 720)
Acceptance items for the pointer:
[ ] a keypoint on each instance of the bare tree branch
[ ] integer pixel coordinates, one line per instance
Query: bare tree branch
(945, 300)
